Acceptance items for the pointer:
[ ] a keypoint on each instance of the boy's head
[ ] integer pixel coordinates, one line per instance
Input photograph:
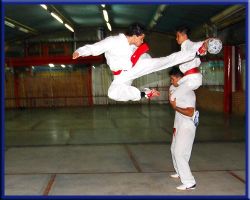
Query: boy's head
(136, 33)
(182, 34)
(175, 75)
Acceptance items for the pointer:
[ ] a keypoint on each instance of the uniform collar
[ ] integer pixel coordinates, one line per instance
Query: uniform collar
(123, 36)
(184, 43)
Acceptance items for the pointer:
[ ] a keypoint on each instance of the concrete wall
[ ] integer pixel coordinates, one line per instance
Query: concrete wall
(161, 44)
(213, 101)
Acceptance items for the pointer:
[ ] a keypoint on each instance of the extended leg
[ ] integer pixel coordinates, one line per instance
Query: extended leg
(149, 65)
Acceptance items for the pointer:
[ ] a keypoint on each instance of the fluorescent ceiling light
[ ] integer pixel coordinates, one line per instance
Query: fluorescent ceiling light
(56, 17)
(63, 66)
(51, 65)
(9, 24)
(109, 26)
(44, 6)
(103, 5)
(23, 30)
(105, 14)
(69, 27)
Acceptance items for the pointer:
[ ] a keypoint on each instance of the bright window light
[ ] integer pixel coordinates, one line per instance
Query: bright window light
(105, 14)
(69, 27)
(44, 6)
(51, 65)
(109, 26)
(56, 17)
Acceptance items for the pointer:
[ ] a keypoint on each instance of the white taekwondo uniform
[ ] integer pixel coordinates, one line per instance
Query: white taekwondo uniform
(118, 53)
(183, 138)
(190, 81)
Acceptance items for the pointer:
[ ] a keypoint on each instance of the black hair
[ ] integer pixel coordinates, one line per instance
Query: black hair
(175, 71)
(183, 29)
(135, 29)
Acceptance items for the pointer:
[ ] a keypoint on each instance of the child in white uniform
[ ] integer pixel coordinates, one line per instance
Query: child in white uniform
(127, 66)
(192, 78)
(184, 132)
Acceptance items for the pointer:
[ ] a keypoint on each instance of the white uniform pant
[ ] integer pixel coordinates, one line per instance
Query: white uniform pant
(121, 89)
(181, 148)
(124, 92)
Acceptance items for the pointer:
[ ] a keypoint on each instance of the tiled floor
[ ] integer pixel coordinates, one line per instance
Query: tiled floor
(117, 150)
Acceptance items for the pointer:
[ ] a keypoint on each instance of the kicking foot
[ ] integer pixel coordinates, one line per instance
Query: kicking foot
(186, 187)
(151, 93)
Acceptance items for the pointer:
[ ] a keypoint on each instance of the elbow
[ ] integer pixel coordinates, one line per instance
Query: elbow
(190, 112)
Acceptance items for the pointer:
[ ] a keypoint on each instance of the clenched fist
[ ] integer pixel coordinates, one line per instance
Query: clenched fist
(75, 55)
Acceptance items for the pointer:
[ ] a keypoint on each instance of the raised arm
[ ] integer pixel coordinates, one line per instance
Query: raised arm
(95, 49)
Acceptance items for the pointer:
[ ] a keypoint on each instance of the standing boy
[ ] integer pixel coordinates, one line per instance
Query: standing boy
(184, 132)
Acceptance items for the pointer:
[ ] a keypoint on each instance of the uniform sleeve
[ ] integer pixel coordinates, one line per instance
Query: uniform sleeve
(190, 100)
(196, 45)
(192, 46)
(97, 48)
(172, 88)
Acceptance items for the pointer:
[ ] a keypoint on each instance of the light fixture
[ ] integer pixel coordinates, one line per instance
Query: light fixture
(44, 6)
(158, 14)
(109, 26)
(69, 27)
(9, 24)
(105, 14)
(51, 65)
(23, 30)
(93, 67)
(56, 17)
(103, 5)
(63, 66)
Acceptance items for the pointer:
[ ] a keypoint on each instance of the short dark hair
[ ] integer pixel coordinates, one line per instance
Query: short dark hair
(135, 29)
(175, 71)
(183, 29)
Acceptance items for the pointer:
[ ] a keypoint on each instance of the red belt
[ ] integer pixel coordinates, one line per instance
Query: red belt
(117, 72)
(192, 71)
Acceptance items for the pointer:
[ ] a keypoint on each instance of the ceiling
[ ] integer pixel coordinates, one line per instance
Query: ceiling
(39, 21)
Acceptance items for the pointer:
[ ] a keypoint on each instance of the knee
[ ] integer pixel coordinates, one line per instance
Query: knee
(112, 95)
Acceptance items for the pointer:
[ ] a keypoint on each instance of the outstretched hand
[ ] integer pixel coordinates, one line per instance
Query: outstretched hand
(203, 49)
(75, 55)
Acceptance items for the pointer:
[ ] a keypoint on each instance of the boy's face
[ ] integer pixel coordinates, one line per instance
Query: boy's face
(138, 40)
(180, 37)
(174, 80)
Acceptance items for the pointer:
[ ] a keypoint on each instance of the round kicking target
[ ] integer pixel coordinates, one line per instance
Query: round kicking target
(214, 46)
